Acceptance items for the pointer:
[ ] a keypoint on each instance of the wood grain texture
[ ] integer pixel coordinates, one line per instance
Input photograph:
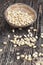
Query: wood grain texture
(7, 54)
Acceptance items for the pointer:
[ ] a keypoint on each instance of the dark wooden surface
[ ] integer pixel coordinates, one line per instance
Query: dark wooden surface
(5, 29)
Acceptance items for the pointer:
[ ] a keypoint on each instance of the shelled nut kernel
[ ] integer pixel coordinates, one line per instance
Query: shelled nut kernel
(41, 45)
(20, 36)
(26, 39)
(29, 57)
(27, 43)
(40, 54)
(34, 46)
(18, 53)
(35, 54)
(22, 43)
(15, 45)
(30, 45)
(4, 43)
(33, 39)
(16, 36)
(18, 57)
(12, 41)
(26, 57)
(22, 56)
(0, 50)
(41, 35)
(35, 30)
(25, 36)
(36, 37)
(8, 36)
(28, 30)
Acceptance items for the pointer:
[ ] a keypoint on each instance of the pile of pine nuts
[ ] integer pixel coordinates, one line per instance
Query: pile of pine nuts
(19, 18)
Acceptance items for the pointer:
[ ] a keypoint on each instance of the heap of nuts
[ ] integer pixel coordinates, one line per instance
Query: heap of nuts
(19, 18)
(24, 41)
(24, 56)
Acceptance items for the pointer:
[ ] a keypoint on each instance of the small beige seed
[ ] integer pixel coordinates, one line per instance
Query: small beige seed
(26, 57)
(15, 45)
(34, 46)
(40, 54)
(0, 50)
(41, 35)
(29, 57)
(25, 36)
(41, 45)
(30, 45)
(34, 29)
(20, 36)
(17, 53)
(4, 43)
(28, 30)
(33, 39)
(18, 57)
(12, 41)
(36, 37)
(8, 36)
(22, 56)
(35, 54)
(22, 43)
